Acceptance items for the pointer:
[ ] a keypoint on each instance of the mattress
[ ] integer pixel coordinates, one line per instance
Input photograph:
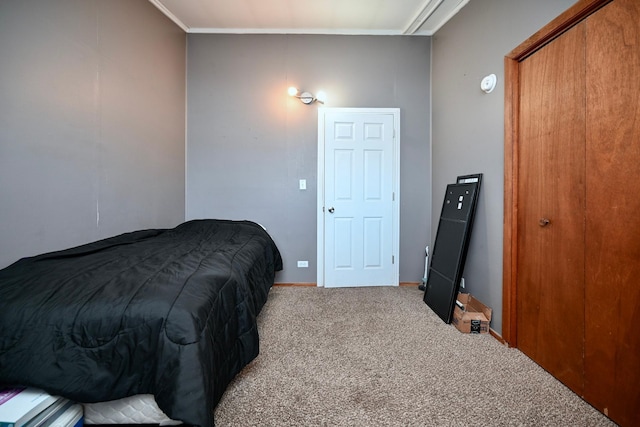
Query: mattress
(138, 409)
(168, 312)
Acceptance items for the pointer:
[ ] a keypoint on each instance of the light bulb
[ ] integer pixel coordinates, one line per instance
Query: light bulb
(293, 91)
(321, 96)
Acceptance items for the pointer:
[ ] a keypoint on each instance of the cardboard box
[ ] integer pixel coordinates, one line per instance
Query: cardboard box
(470, 315)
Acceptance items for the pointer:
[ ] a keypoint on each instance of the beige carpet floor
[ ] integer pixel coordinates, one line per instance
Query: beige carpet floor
(381, 357)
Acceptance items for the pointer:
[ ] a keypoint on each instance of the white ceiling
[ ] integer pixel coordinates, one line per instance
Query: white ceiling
(374, 17)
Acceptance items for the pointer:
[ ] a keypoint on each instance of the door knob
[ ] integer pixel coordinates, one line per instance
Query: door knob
(331, 210)
(544, 222)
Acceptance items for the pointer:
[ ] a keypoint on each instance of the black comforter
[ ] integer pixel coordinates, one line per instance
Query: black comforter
(166, 312)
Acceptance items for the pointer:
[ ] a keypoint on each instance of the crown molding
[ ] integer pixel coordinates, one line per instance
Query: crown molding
(169, 15)
(426, 11)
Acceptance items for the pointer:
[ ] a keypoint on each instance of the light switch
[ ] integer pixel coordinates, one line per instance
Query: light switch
(303, 184)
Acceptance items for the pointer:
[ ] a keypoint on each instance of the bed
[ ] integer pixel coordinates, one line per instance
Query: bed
(163, 312)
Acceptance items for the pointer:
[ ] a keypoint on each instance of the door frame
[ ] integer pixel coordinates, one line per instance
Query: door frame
(575, 14)
(395, 220)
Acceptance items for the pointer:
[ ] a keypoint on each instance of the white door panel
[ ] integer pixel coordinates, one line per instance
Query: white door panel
(358, 166)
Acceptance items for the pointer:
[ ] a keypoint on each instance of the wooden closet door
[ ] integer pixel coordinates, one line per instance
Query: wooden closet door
(612, 336)
(550, 274)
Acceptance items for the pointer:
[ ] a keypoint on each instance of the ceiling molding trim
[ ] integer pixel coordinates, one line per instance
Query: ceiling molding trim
(450, 15)
(169, 15)
(423, 14)
(314, 31)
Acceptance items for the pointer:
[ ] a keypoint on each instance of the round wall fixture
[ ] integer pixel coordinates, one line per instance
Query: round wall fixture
(306, 97)
(488, 83)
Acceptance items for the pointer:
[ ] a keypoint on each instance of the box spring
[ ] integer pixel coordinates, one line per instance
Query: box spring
(138, 409)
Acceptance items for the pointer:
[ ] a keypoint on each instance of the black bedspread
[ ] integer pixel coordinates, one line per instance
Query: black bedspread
(166, 312)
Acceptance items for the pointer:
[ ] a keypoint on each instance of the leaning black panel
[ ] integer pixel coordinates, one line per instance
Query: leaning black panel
(451, 244)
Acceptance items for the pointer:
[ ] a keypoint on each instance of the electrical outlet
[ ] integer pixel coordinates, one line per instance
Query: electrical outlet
(462, 283)
(303, 264)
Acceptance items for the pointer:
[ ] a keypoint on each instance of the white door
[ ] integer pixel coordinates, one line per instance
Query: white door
(358, 197)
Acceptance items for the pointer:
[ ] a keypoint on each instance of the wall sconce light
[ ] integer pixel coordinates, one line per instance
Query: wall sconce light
(307, 97)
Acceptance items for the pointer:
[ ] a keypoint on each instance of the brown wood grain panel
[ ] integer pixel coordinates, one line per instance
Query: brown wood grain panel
(579, 11)
(611, 349)
(551, 169)
(509, 254)
(612, 340)
(576, 13)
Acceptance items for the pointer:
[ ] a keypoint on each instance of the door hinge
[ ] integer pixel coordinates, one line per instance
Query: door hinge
(393, 259)
(393, 196)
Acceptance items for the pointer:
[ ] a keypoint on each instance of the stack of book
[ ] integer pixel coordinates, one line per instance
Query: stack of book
(31, 407)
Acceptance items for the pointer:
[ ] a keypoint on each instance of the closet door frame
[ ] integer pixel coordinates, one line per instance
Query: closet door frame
(575, 14)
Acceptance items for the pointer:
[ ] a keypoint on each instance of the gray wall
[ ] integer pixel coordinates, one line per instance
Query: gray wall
(468, 125)
(249, 143)
(92, 122)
